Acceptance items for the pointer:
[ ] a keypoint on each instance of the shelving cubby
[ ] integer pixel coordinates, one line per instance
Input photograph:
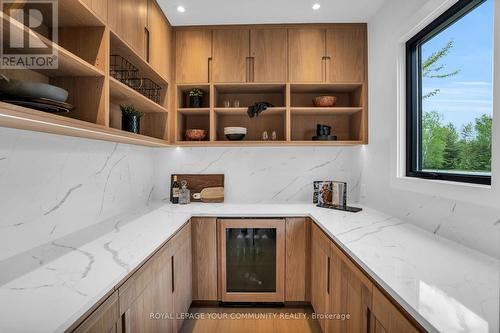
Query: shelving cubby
(154, 123)
(247, 94)
(346, 117)
(81, 58)
(189, 117)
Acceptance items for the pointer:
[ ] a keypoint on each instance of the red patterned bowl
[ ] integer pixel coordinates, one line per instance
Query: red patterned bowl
(325, 101)
(195, 134)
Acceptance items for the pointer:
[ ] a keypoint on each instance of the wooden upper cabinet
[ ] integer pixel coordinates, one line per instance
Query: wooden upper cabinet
(269, 55)
(230, 56)
(99, 7)
(160, 37)
(128, 19)
(346, 53)
(192, 56)
(306, 52)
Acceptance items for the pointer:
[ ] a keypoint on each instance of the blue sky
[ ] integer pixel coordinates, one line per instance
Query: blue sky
(469, 94)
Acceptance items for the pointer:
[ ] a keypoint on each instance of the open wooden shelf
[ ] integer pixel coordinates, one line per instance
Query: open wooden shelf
(121, 48)
(325, 111)
(69, 64)
(121, 93)
(243, 111)
(193, 111)
(250, 93)
(27, 119)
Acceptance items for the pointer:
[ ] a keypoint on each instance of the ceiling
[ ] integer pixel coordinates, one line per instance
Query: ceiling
(210, 12)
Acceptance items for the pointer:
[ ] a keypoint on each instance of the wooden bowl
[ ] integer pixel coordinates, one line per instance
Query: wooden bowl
(195, 134)
(324, 101)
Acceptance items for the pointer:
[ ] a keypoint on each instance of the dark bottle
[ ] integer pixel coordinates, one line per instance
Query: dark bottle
(174, 191)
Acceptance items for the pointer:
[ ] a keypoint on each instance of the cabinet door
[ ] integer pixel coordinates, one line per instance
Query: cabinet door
(306, 55)
(230, 55)
(297, 246)
(148, 291)
(355, 297)
(269, 55)
(193, 53)
(104, 319)
(128, 19)
(181, 263)
(204, 247)
(335, 301)
(159, 40)
(346, 52)
(320, 284)
(387, 318)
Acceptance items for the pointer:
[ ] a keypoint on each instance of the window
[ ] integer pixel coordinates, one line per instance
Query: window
(450, 95)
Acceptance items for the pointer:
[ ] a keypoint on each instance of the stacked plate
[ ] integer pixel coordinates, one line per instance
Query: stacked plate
(235, 133)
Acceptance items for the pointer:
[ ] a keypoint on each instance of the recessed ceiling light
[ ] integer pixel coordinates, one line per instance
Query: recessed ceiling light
(316, 6)
(181, 9)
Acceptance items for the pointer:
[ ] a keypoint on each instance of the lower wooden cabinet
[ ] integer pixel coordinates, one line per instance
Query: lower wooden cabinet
(204, 247)
(386, 317)
(339, 287)
(105, 319)
(297, 273)
(320, 276)
(153, 298)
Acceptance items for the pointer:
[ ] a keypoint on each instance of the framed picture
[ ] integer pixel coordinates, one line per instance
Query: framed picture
(322, 192)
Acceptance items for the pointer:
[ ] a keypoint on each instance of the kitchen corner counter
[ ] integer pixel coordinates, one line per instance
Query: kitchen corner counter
(445, 286)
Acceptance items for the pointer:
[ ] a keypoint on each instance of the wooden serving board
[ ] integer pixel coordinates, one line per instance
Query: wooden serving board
(197, 182)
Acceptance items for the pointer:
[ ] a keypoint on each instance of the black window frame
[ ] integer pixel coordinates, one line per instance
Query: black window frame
(414, 96)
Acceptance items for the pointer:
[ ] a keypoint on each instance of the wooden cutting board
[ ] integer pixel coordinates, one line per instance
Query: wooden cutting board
(196, 183)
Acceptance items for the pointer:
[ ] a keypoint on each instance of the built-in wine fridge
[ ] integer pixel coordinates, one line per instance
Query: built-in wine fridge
(252, 260)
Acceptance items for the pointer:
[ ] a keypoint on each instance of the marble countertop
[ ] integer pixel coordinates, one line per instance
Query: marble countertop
(445, 286)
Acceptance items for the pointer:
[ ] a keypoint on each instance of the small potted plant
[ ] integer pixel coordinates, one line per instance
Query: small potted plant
(195, 98)
(131, 118)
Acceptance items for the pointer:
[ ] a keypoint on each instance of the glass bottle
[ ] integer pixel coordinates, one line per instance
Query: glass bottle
(174, 191)
(184, 194)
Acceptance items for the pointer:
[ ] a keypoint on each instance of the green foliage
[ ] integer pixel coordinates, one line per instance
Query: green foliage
(130, 111)
(431, 68)
(195, 92)
(444, 149)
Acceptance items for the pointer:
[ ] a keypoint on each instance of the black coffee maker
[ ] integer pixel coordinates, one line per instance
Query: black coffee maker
(323, 133)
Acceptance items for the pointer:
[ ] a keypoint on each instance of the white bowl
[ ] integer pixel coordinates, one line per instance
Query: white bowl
(235, 130)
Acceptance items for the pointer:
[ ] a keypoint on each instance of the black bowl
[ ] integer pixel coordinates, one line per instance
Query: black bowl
(235, 137)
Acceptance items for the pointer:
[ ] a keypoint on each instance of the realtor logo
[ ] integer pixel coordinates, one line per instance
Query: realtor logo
(29, 29)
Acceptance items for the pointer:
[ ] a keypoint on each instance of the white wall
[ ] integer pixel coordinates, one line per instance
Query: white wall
(52, 186)
(264, 175)
(464, 213)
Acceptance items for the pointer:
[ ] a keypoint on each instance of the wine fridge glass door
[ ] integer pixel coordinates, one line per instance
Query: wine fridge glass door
(251, 260)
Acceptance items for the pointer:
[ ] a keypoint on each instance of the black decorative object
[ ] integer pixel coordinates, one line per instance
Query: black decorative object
(131, 119)
(125, 72)
(323, 133)
(146, 87)
(121, 69)
(342, 208)
(258, 108)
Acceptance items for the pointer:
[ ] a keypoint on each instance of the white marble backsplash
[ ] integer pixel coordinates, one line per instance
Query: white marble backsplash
(52, 186)
(263, 175)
